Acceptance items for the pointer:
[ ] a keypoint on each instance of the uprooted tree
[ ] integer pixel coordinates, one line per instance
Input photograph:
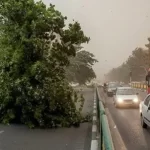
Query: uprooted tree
(34, 52)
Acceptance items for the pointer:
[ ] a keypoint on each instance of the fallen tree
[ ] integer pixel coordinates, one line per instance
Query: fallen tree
(35, 47)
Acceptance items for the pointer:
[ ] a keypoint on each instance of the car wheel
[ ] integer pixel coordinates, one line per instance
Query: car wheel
(143, 124)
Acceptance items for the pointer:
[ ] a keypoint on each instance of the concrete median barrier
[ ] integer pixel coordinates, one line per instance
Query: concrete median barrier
(139, 85)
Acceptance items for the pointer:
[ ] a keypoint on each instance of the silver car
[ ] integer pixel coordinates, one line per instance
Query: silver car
(126, 96)
(111, 89)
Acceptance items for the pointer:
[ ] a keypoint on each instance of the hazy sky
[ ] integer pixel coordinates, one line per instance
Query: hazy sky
(116, 27)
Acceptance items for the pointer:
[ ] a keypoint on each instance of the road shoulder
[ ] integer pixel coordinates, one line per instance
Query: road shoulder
(116, 137)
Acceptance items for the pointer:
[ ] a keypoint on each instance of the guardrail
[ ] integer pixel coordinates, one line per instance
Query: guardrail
(139, 85)
(105, 140)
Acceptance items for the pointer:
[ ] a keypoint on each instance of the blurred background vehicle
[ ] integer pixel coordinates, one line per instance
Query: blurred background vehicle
(111, 90)
(105, 87)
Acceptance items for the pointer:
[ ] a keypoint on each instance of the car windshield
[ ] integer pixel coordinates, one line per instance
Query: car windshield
(113, 85)
(125, 92)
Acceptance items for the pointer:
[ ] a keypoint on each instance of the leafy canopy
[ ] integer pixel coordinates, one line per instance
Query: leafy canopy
(80, 69)
(138, 63)
(35, 49)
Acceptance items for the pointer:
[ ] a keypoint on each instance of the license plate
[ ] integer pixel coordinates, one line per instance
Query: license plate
(128, 101)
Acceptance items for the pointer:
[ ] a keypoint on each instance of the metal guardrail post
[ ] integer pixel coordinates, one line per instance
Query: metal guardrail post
(97, 103)
(99, 122)
(106, 134)
(102, 112)
(105, 141)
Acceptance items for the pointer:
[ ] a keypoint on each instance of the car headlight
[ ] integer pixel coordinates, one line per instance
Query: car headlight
(120, 100)
(135, 100)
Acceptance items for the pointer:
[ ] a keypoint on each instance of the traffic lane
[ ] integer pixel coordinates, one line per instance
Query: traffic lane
(142, 94)
(128, 123)
(18, 137)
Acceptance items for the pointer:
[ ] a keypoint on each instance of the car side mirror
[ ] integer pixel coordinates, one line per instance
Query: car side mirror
(148, 107)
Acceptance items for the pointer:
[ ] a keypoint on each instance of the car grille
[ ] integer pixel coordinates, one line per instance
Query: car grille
(128, 100)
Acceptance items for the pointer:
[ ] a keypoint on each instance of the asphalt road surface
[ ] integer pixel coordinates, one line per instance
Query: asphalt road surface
(16, 137)
(127, 121)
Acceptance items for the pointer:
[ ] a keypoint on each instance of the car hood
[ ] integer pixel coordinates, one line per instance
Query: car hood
(111, 89)
(126, 96)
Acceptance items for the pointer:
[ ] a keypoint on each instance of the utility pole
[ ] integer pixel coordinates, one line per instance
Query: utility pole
(130, 76)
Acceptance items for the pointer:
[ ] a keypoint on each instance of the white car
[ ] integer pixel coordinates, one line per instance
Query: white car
(145, 112)
(126, 96)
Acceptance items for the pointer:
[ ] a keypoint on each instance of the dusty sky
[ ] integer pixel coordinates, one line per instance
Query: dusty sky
(116, 27)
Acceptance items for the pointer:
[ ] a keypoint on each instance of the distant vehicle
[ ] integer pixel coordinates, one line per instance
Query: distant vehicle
(145, 112)
(105, 87)
(126, 96)
(111, 89)
(100, 85)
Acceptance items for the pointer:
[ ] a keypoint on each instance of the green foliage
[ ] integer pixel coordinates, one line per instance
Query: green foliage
(80, 69)
(35, 48)
(87, 118)
(120, 73)
(138, 63)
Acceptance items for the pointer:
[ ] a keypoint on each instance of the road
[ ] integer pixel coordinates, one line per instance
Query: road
(127, 121)
(17, 137)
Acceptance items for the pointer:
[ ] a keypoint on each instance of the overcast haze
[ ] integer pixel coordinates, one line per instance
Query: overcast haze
(116, 27)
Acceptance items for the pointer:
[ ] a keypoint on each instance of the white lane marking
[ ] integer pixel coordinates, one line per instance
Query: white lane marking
(94, 118)
(94, 145)
(94, 128)
(94, 111)
(94, 107)
(95, 104)
(94, 98)
(1, 132)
